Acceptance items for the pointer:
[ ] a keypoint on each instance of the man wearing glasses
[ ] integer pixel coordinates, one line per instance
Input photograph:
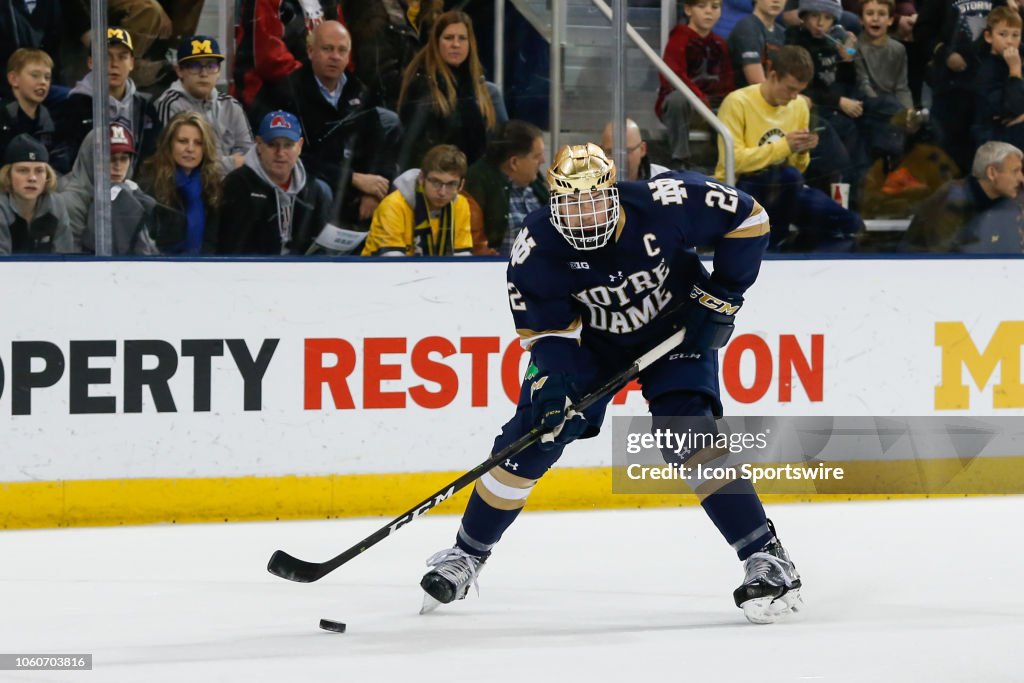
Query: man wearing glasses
(199, 65)
(425, 215)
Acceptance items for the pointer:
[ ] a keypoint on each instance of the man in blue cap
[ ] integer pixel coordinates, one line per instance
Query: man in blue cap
(199, 63)
(272, 206)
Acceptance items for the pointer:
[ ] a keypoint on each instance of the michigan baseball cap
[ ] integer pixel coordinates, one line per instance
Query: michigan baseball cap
(119, 36)
(121, 139)
(279, 124)
(199, 47)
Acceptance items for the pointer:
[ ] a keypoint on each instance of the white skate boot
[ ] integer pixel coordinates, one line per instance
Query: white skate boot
(771, 586)
(453, 571)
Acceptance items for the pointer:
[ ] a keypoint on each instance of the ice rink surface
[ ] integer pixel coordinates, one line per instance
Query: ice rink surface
(921, 590)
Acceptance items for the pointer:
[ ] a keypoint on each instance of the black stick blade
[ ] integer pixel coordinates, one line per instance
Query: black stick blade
(292, 568)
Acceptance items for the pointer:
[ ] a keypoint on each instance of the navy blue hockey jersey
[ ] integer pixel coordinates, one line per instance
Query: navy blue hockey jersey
(617, 293)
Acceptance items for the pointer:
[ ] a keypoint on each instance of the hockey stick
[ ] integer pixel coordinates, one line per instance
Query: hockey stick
(287, 567)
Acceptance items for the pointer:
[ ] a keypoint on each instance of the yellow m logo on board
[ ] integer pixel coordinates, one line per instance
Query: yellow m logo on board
(959, 351)
(202, 47)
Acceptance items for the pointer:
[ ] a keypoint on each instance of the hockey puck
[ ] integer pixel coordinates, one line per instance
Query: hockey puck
(336, 626)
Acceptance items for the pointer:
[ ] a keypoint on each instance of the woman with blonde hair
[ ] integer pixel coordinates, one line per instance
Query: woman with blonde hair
(184, 176)
(444, 98)
(33, 219)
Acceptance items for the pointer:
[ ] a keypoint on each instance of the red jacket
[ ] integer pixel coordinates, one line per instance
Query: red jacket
(702, 62)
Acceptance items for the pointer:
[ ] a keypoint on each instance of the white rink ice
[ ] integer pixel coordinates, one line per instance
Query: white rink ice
(921, 590)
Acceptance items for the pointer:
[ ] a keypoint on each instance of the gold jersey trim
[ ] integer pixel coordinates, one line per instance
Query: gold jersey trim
(755, 225)
(527, 337)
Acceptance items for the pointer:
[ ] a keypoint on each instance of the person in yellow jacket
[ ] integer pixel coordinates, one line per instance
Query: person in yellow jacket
(769, 122)
(425, 215)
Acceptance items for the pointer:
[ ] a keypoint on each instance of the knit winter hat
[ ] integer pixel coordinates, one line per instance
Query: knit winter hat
(831, 7)
(25, 148)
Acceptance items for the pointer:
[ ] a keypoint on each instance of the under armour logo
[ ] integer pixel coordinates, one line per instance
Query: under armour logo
(511, 465)
(616, 276)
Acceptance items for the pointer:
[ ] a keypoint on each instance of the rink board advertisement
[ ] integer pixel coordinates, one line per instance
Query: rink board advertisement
(297, 389)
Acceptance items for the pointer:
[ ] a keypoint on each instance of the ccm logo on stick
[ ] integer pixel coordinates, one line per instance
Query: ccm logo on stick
(430, 504)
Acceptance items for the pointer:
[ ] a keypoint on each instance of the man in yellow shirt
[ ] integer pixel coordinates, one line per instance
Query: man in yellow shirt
(425, 215)
(769, 123)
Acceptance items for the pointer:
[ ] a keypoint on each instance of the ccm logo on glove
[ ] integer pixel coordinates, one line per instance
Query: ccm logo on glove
(714, 303)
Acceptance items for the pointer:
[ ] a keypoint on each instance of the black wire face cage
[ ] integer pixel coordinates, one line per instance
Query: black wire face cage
(586, 219)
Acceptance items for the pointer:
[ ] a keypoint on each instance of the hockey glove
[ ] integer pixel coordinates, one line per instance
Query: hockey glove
(551, 398)
(709, 316)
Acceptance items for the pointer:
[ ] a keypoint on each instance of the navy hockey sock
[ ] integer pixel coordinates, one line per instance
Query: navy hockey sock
(482, 526)
(737, 512)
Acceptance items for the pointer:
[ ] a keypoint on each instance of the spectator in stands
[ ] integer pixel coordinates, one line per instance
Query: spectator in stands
(33, 219)
(833, 92)
(29, 25)
(425, 215)
(350, 144)
(999, 112)
(132, 211)
(184, 176)
(29, 73)
(199, 63)
(701, 59)
(769, 124)
(275, 207)
(638, 166)
(273, 40)
(507, 182)
(979, 213)
(753, 41)
(848, 17)
(903, 31)
(732, 12)
(444, 98)
(950, 30)
(76, 188)
(128, 107)
(386, 35)
(149, 22)
(889, 114)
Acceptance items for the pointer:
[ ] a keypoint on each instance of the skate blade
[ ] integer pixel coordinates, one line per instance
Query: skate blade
(429, 604)
(768, 611)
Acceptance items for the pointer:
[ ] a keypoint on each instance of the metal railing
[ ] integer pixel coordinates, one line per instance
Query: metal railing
(556, 39)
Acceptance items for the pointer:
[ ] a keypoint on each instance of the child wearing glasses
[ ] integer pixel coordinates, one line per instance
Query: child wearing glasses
(199, 64)
(425, 215)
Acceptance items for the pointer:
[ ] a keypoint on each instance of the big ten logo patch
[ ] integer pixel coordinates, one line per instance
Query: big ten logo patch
(959, 352)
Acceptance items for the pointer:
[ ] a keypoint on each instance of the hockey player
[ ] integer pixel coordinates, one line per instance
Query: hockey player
(594, 280)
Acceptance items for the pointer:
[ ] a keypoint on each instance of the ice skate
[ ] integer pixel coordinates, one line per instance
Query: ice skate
(771, 586)
(453, 571)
